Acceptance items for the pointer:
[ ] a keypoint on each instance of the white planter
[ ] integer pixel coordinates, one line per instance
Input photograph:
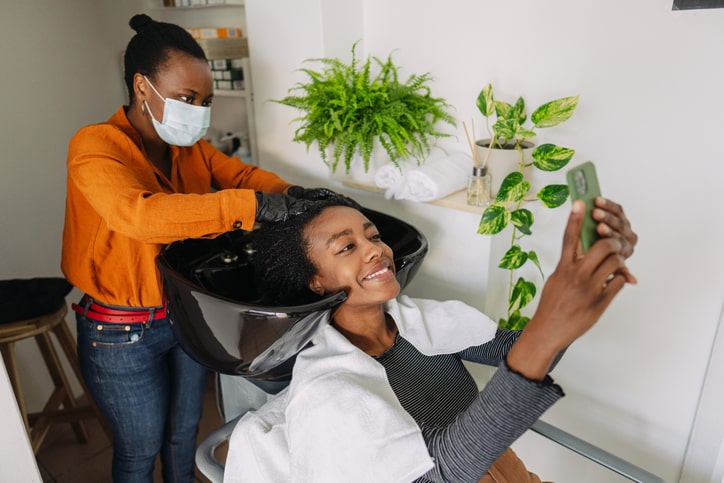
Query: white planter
(502, 162)
(378, 158)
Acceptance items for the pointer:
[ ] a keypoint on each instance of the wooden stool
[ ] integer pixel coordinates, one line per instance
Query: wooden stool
(39, 328)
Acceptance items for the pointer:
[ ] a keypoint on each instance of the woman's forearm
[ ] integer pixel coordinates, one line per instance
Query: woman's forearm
(507, 406)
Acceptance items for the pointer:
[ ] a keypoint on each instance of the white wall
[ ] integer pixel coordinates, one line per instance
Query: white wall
(61, 71)
(650, 86)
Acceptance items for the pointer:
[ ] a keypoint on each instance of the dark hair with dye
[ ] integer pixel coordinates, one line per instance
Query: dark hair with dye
(148, 51)
(281, 261)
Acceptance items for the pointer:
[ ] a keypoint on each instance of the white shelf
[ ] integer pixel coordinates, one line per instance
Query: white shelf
(455, 201)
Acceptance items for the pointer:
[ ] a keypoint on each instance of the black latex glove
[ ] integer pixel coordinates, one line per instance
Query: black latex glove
(319, 194)
(314, 194)
(279, 207)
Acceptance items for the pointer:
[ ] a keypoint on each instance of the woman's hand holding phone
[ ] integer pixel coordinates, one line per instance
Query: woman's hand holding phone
(580, 288)
(602, 218)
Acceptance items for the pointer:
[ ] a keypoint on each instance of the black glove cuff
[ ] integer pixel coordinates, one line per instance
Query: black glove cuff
(296, 191)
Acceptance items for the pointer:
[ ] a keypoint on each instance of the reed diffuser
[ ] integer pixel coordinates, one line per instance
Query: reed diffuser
(479, 180)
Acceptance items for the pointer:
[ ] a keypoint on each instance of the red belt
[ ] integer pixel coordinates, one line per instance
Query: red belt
(103, 313)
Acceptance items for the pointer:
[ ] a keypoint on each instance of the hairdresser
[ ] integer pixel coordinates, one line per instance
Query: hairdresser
(140, 180)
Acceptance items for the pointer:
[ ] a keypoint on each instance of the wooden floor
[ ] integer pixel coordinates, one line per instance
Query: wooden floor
(61, 459)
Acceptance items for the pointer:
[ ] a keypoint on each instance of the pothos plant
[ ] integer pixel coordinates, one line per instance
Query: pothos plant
(347, 106)
(509, 131)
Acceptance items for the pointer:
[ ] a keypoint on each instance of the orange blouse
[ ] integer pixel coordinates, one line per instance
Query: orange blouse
(121, 210)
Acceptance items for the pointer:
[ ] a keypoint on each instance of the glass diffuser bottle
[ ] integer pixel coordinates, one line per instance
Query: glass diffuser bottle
(479, 187)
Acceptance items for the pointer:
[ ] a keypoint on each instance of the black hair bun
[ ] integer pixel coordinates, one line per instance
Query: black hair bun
(140, 22)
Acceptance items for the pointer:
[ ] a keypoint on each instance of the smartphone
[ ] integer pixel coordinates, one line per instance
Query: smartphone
(583, 185)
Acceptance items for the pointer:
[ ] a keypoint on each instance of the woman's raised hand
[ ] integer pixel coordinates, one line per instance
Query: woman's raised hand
(578, 291)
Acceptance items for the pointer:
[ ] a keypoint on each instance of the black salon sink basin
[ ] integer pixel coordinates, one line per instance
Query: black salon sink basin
(216, 311)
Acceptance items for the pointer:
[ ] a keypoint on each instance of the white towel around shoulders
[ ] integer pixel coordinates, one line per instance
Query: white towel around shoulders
(436, 179)
(339, 419)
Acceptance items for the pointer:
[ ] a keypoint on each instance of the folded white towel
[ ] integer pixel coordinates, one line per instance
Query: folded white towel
(389, 176)
(436, 179)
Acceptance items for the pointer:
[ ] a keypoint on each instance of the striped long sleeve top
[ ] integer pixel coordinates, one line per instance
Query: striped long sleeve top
(465, 429)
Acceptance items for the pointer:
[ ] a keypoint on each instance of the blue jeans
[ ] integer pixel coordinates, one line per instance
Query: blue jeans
(150, 392)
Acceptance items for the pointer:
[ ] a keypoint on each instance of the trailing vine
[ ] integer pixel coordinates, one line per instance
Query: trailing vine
(509, 132)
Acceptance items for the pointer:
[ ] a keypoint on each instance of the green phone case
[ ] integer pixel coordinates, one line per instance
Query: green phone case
(583, 185)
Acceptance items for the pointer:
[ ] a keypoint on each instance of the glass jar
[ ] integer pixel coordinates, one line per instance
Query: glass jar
(479, 187)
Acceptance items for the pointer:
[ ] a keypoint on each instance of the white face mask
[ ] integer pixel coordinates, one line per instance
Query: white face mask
(183, 124)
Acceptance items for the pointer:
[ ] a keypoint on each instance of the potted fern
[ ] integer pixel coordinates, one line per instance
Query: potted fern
(510, 133)
(350, 108)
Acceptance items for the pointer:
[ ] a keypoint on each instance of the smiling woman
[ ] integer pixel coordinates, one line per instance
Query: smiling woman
(343, 239)
(382, 390)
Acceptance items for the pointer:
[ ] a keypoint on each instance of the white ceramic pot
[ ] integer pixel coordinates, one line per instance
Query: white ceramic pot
(502, 162)
(378, 158)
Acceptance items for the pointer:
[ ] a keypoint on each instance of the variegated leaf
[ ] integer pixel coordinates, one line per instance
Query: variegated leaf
(495, 218)
(554, 112)
(553, 195)
(522, 219)
(514, 258)
(523, 294)
(526, 133)
(503, 109)
(516, 321)
(533, 257)
(513, 188)
(518, 112)
(549, 157)
(506, 128)
(485, 101)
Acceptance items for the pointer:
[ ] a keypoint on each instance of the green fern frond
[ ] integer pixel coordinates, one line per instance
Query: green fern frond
(348, 106)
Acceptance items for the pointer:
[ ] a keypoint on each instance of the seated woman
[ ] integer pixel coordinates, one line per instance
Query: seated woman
(382, 394)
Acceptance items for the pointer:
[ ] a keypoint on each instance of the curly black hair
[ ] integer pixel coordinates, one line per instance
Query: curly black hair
(149, 50)
(281, 262)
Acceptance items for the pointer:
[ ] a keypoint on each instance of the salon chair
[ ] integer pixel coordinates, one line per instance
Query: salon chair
(219, 321)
